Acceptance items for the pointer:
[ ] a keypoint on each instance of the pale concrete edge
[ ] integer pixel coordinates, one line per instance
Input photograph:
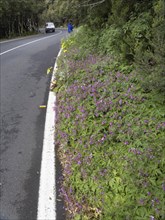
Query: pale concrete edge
(47, 185)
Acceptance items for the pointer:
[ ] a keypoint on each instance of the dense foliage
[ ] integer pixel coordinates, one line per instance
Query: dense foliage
(18, 17)
(110, 135)
(110, 103)
(132, 31)
(110, 112)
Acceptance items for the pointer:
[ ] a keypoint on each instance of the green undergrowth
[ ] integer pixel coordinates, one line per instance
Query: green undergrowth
(110, 137)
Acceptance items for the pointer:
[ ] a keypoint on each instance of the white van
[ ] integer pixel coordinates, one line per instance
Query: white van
(49, 27)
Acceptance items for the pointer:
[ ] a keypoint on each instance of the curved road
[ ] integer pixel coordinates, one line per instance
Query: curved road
(24, 86)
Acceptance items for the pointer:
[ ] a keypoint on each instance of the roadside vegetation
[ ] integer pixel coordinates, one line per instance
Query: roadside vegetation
(110, 124)
(110, 85)
(20, 17)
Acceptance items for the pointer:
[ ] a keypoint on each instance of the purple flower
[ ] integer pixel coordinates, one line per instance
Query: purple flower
(110, 123)
(149, 193)
(103, 122)
(141, 201)
(157, 200)
(120, 102)
(71, 190)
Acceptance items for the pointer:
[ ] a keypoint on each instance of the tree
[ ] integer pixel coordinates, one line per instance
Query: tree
(19, 16)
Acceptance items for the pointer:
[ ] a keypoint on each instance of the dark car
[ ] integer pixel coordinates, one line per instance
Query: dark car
(49, 27)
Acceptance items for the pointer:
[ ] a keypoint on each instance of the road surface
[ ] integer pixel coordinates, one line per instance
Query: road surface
(24, 86)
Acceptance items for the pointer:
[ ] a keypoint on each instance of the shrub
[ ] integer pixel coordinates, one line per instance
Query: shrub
(151, 61)
(111, 141)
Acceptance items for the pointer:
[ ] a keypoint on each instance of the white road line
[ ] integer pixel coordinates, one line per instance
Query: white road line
(47, 187)
(15, 39)
(23, 45)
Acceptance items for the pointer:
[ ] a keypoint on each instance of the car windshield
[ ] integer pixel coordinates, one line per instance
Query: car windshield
(47, 24)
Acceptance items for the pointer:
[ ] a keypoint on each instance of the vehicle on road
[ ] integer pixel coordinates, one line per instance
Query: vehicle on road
(49, 27)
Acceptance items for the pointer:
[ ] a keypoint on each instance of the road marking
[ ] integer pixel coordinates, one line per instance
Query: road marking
(47, 187)
(23, 45)
(15, 39)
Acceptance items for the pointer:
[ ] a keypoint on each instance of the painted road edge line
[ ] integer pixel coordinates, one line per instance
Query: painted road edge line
(31, 42)
(47, 185)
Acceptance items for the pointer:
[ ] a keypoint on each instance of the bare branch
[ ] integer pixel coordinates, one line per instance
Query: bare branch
(87, 3)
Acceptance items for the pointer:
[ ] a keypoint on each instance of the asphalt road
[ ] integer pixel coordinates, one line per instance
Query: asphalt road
(24, 86)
